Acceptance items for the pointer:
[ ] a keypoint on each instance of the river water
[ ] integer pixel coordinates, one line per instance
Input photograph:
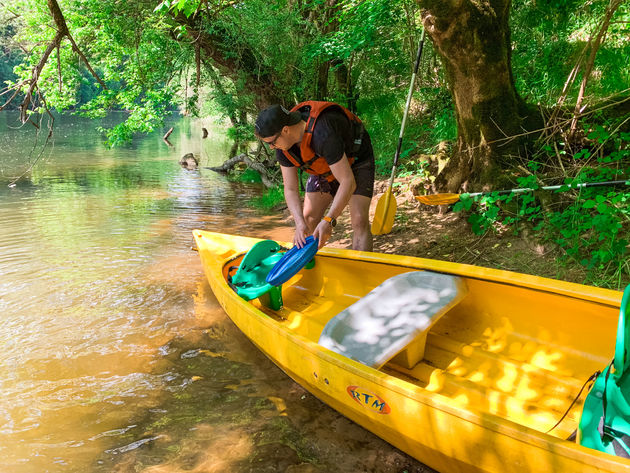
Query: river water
(114, 354)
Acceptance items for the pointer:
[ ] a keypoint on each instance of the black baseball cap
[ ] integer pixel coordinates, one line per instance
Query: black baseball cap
(272, 119)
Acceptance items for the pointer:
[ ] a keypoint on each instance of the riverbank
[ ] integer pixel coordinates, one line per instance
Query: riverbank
(422, 231)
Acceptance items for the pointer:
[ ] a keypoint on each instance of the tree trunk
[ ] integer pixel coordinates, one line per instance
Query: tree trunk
(473, 41)
(342, 75)
(321, 89)
(323, 18)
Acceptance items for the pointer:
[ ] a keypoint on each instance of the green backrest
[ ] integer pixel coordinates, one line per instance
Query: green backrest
(249, 280)
(611, 391)
(623, 335)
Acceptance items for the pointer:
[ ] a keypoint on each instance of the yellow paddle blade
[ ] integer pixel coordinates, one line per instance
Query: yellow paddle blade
(384, 214)
(438, 199)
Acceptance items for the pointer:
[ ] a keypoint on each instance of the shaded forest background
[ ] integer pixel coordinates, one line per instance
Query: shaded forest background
(509, 94)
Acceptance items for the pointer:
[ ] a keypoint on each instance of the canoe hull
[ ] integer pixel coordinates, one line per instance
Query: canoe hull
(430, 428)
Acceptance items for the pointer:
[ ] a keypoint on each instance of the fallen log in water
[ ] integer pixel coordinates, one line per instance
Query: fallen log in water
(268, 176)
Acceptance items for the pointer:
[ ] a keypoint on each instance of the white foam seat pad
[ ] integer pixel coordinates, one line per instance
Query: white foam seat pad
(380, 325)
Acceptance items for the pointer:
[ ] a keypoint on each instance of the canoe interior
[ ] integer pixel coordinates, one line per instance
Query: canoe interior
(521, 354)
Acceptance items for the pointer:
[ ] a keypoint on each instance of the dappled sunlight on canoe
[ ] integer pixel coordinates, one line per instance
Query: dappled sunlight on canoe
(499, 367)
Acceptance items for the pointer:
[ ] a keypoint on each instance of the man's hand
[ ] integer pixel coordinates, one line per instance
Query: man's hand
(301, 232)
(323, 230)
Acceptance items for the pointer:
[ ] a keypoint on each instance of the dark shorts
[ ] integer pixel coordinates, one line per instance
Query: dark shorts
(363, 170)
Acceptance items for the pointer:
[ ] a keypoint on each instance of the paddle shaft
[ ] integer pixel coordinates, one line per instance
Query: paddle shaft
(552, 188)
(404, 120)
(386, 206)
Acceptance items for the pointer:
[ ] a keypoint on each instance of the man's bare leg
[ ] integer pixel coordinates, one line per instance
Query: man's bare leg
(315, 205)
(360, 216)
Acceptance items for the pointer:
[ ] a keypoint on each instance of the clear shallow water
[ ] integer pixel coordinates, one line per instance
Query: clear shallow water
(114, 354)
(95, 283)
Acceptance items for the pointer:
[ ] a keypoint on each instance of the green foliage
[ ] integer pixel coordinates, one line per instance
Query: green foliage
(361, 25)
(129, 48)
(227, 100)
(248, 175)
(270, 199)
(145, 55)
(591, 225)
(273, 36)
(589, 229)
(184, 7)
(241, 132)
(10, 54)
(548, 38)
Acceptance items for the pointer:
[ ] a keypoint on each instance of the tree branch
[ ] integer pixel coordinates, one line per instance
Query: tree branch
(62, 32)
(87, 63)
(595, 44)
(35, 76)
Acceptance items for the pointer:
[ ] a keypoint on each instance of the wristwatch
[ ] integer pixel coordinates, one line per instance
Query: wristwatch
(332, 221)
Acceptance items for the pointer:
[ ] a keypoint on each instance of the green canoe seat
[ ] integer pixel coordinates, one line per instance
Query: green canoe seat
(249, 280)
(393, 319)
(605, 421)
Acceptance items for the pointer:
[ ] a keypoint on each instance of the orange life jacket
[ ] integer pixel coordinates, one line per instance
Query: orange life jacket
(312, 163)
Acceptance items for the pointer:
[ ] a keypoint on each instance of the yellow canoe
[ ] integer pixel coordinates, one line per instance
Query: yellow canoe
(477, 390)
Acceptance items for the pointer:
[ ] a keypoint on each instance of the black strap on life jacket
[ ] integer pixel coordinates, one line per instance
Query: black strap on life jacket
(357, 129)
(310, 124)
(306, 167)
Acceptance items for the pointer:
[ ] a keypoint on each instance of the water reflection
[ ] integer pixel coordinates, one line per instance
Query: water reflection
(85, 321)
(115, 356)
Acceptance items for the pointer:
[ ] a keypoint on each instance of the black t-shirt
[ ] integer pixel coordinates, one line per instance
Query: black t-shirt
(332, 137)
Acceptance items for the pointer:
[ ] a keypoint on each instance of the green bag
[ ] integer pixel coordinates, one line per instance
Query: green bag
(605, 421)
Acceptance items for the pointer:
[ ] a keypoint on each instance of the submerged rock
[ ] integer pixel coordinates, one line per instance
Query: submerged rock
(188, 161)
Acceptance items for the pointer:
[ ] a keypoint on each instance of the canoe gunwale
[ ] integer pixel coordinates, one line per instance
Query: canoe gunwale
(608, 297)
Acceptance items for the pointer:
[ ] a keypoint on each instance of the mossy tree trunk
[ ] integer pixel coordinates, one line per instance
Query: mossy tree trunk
(472, 38)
